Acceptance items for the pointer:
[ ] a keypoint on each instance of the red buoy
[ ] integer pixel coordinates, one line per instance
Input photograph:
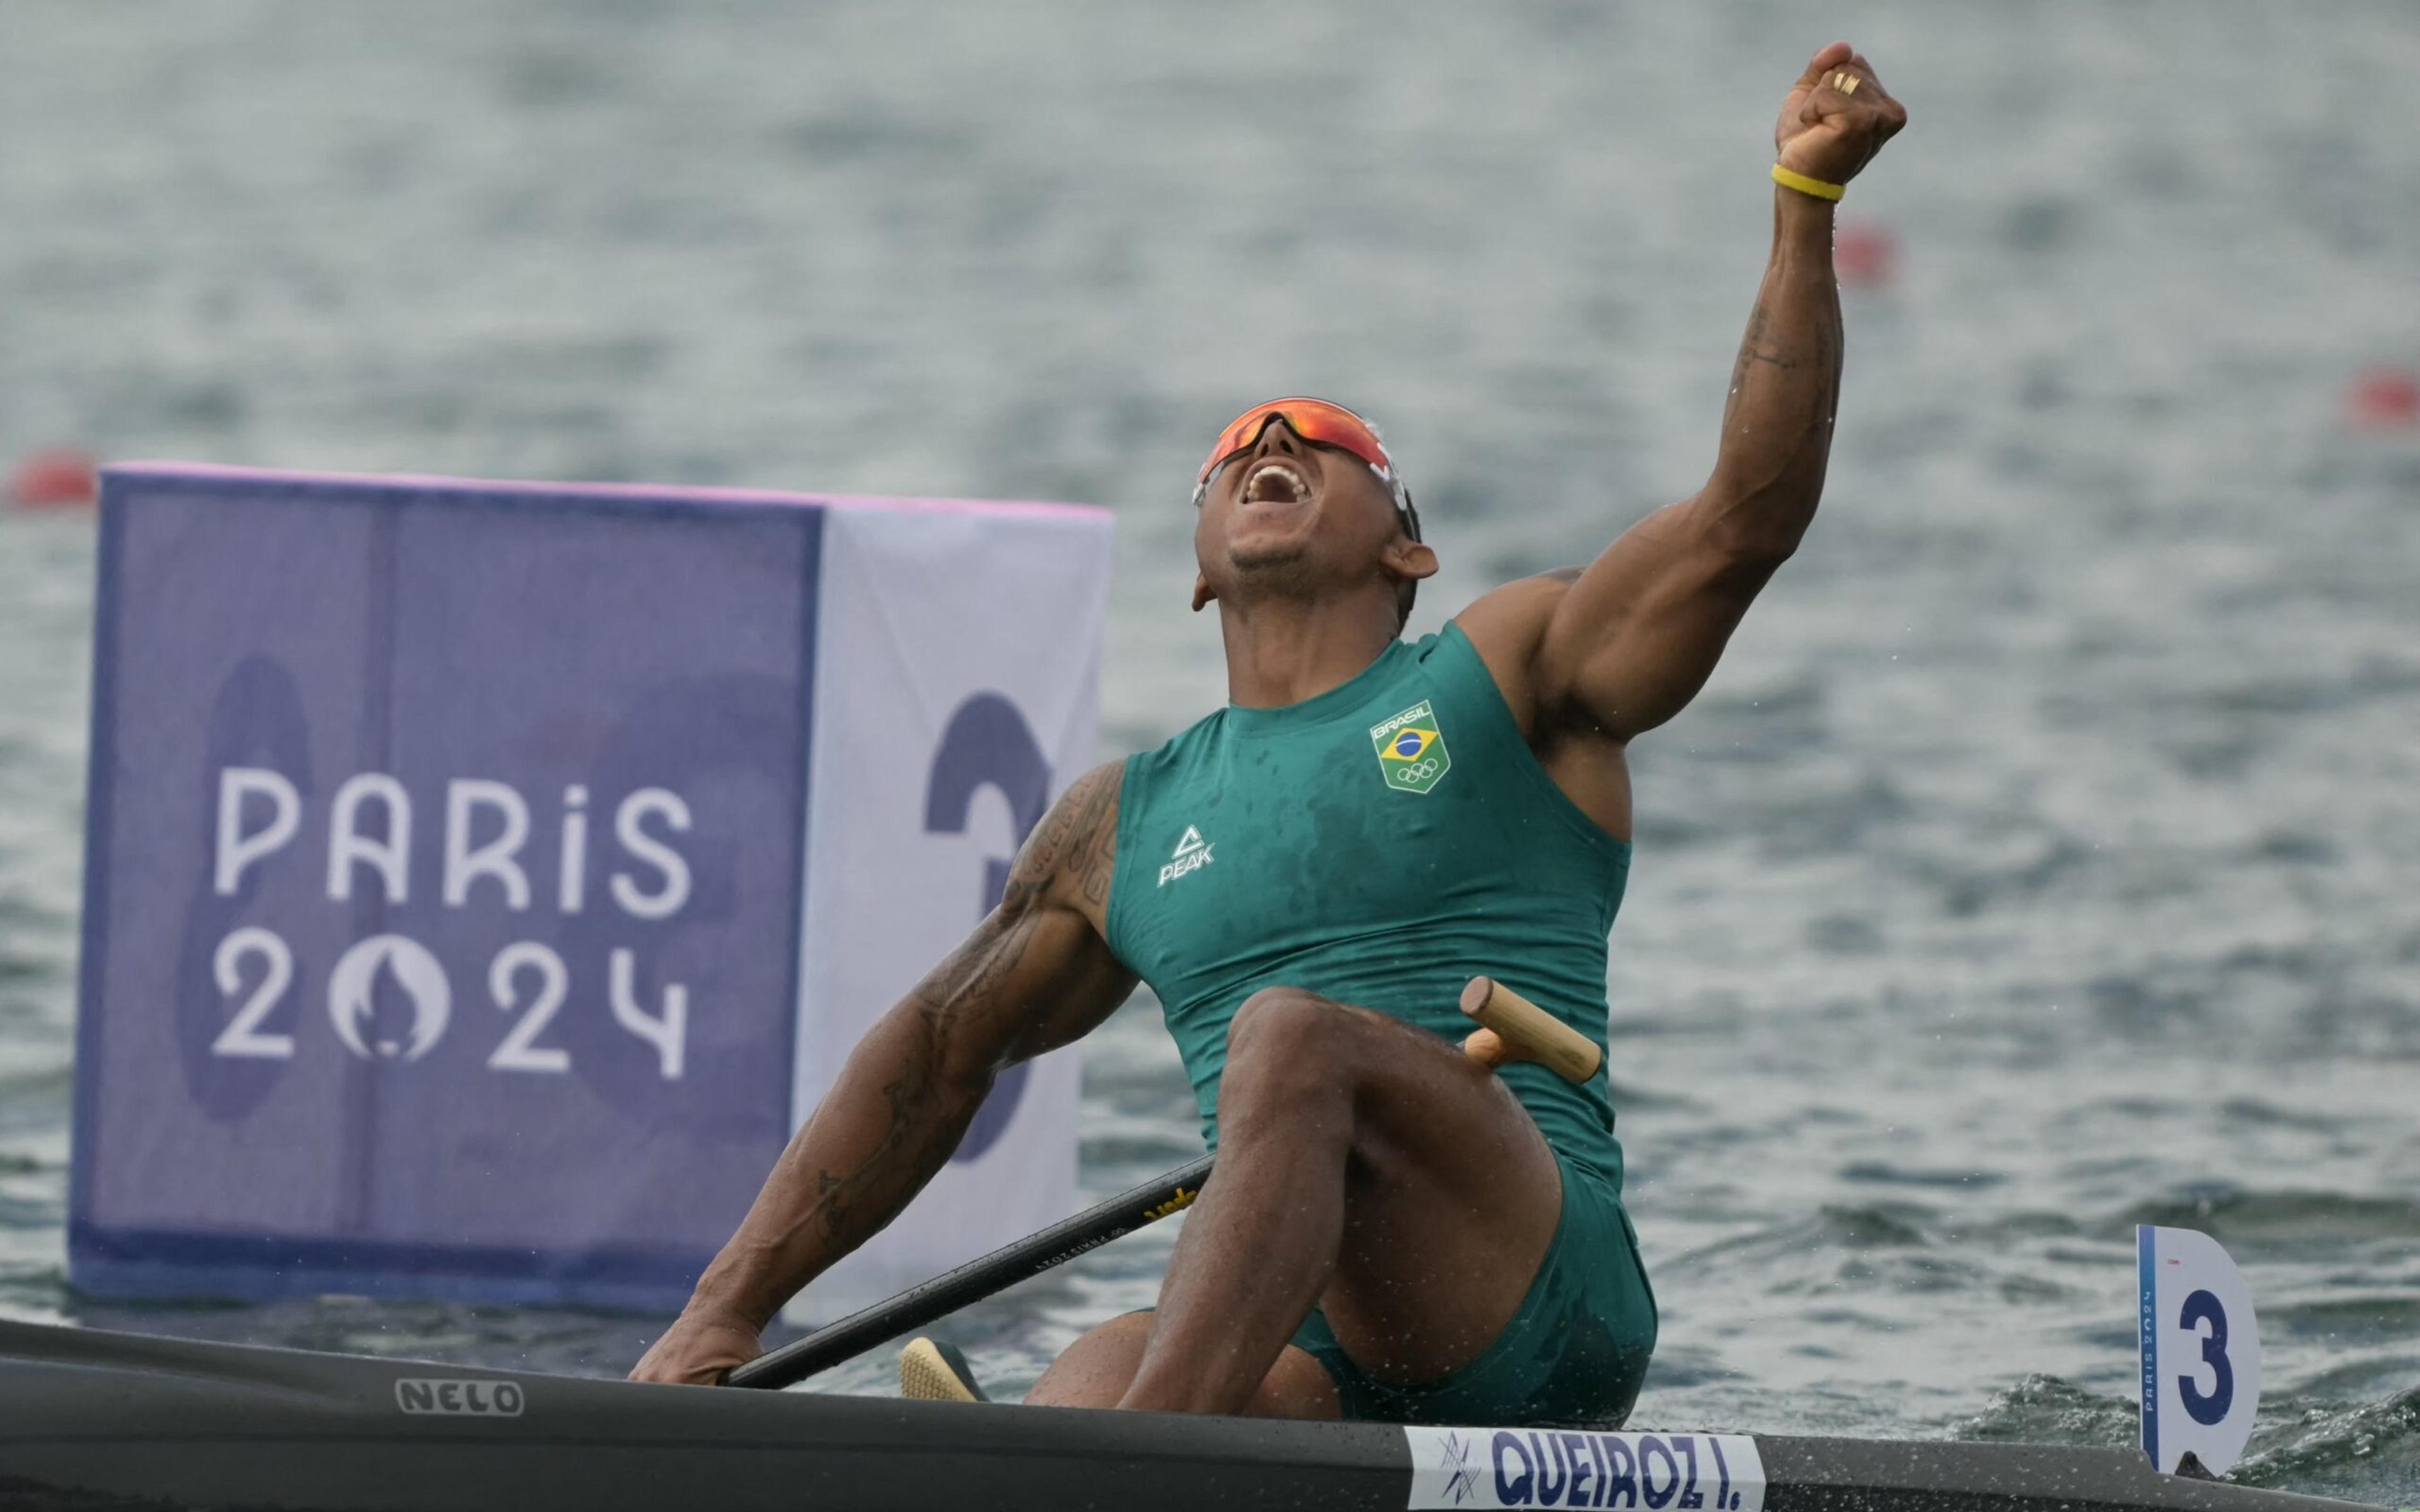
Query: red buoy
(56, 477)
(2385, 398)
(1864, 254)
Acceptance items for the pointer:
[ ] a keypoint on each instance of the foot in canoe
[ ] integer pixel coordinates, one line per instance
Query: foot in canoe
(931, 1370)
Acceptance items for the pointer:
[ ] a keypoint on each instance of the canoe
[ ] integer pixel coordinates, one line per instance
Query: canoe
(92, 1420)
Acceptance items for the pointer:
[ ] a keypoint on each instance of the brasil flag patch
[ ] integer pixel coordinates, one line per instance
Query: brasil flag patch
(1411, 749)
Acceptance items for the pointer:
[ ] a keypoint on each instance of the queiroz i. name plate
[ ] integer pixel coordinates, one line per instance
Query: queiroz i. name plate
(1457, 1468)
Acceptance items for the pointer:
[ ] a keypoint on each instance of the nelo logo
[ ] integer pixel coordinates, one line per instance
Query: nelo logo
(1178, 1203)
(458, 1398)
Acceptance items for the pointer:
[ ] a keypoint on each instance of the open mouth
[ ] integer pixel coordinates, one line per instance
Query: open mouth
(1275, 482)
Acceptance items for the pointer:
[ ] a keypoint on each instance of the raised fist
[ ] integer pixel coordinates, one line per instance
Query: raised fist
(1836, 118)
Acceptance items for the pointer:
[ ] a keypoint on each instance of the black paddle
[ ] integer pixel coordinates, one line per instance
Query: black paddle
(975, 1280)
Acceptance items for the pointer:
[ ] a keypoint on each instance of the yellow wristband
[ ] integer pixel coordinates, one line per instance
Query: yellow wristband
(1804, 185)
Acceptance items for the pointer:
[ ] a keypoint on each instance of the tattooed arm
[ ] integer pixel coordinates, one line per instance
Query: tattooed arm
(1036, 975)
(1621, 646)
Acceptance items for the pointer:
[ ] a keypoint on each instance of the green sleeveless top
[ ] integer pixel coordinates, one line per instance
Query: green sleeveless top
(1380, 844)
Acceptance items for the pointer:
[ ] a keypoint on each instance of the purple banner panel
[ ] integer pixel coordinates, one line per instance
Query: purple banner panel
(445, 857)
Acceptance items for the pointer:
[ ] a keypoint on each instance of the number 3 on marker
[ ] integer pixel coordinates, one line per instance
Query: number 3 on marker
(2200, 1351)
(2208, 1409)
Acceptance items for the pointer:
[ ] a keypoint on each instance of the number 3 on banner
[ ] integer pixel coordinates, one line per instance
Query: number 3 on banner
(2201, 1350)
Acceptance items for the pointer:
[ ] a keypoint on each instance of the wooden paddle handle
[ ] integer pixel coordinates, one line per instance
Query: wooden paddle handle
(1524, 1031)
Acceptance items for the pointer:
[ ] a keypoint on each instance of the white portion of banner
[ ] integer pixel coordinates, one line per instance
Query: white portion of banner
(1457, 1468)
(2201, 1350)
(957, 669)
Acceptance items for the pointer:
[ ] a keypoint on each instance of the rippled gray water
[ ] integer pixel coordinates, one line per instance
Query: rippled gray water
(2041, 861)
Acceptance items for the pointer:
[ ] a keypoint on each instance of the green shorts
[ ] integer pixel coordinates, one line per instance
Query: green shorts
(1573, 1355)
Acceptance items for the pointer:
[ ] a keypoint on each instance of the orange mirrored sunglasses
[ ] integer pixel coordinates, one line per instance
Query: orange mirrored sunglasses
(1318, 421)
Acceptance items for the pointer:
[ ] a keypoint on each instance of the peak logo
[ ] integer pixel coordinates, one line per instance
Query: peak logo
(1192, 854)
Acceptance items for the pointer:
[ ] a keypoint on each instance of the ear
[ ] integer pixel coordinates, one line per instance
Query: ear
(1407, 558)
(1203, 595)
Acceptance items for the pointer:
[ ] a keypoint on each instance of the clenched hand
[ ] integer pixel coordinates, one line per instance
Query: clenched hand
(1836, 118)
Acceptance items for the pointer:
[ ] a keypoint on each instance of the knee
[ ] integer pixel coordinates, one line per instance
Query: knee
(1096, 1369)
(1282, 1020)
(1284, 1040)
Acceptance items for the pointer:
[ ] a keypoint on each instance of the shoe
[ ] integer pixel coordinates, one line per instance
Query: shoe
(932, 1371)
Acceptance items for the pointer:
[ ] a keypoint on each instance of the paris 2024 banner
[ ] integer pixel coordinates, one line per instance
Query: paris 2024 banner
(484, 879)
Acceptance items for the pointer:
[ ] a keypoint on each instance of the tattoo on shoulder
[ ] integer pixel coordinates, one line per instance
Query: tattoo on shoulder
(1075, 848)
(1076, 843)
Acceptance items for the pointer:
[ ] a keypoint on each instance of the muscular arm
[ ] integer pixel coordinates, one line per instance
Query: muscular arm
(1637, 634)
(1623, 645)
(1036, 974)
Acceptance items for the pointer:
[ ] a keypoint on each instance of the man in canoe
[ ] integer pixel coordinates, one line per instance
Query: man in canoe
(1308, 877)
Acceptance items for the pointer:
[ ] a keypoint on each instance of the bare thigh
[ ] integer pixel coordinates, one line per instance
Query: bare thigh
(1451, 1195)
(1095, 1370)
(1365, 1167)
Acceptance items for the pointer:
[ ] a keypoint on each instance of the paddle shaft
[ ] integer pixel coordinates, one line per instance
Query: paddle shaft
(1526, 1032)
(975, 1280)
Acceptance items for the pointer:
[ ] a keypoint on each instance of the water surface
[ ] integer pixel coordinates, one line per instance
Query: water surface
(2040, 862)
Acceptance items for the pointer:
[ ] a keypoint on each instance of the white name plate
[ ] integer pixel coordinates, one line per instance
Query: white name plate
(1455, 1468)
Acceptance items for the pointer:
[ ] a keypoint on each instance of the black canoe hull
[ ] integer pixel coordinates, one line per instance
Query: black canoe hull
(96, 1420)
